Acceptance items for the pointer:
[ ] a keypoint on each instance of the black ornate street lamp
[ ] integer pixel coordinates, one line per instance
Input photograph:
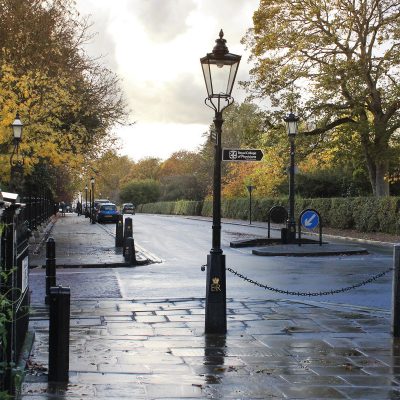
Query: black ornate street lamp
(292, 130)
(15, 162)
(92, 201)
(86, 208)
(219, 70)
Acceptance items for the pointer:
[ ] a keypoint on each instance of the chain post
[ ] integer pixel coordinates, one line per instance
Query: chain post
(395, 292)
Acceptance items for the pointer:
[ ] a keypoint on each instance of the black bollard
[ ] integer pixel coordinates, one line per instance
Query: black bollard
(396, 292)
(50, 267)
(128, 232)
(59, 334)
(130, 254)
(119, 232)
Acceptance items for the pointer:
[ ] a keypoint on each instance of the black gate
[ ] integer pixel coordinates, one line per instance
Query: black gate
(14, 284)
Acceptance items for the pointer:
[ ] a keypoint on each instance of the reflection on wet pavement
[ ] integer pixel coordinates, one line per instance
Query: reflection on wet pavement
(151, 349)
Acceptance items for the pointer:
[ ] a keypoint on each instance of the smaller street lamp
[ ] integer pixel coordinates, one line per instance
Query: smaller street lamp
(292, 130)
(16, 164)
(86, 209)
(17, 126)
(92, 206)
(79, 207)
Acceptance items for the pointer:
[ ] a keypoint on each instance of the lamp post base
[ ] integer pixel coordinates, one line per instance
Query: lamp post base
(215, 313)
(291, 231)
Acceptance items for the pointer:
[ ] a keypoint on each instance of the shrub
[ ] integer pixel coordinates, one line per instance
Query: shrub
(140, 191)
(341, 213)
(366, 214)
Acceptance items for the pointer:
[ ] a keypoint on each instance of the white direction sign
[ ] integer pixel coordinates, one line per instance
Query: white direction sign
(242, 155)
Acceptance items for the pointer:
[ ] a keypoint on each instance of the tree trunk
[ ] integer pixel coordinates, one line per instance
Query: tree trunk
(372, 175)
(381, 184)
(377, 172)
(376, 156)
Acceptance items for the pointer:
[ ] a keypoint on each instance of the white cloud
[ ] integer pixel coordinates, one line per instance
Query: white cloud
(155, 47)
(159, 139)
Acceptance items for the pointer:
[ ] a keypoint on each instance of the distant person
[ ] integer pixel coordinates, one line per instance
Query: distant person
(63, 207)
(79, 208)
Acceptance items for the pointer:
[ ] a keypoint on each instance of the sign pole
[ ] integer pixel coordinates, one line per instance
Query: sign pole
(250, 189)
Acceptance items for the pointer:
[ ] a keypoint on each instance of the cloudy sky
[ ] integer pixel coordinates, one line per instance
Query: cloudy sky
(155, 47)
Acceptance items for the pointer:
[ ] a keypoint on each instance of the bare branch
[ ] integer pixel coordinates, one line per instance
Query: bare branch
(328, 127)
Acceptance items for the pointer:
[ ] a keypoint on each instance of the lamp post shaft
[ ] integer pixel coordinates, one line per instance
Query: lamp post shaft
(216, 228)
(86, 209)
(215, 313)
(291, 223)
(250, 207)
(92, 206)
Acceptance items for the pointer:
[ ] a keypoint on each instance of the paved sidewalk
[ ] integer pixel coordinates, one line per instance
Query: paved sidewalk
(124, 348)
(81, 244)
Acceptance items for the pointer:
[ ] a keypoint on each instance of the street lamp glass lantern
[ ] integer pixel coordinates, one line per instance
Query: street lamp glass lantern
(292, 124)
(92, 181)
(17, 128)
(220, 69)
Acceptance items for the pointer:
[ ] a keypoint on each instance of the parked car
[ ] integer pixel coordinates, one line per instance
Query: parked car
(107, 212)
(128, 208)
(97, 203)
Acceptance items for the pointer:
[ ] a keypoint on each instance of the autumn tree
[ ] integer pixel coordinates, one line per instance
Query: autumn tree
(146, 168)
(179, 163)
(67, 101)
(267, 176)
(243, 128)
(109, 171)
(140, 191)
(343, 57)
(179, 177)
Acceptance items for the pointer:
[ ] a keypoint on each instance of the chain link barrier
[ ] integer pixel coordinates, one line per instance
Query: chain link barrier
(312, 294)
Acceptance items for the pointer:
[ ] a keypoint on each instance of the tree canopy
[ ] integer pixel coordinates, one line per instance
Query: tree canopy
(337, 62)
(67, 101)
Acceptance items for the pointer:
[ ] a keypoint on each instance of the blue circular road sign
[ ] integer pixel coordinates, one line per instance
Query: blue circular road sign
(310, 219)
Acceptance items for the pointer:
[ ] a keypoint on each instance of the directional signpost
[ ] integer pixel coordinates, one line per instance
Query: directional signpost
(310, 219)
(242, 155)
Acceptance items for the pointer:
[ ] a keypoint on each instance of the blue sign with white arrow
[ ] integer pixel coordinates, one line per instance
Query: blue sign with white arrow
(310, 219)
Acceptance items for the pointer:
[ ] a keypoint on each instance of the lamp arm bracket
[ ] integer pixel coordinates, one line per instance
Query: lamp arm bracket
(14, 153)
(219, 103)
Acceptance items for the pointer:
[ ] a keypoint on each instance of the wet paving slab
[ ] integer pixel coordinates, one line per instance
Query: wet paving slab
(157, 349)
(81, 244)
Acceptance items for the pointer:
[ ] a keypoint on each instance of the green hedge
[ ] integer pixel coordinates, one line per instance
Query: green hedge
(365, 214)
(181, 207)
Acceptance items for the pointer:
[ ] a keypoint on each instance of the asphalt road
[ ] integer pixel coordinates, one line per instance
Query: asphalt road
(182, 245)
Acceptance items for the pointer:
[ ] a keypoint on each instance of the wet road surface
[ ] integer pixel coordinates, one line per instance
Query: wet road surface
(138, 332)
(183, 244)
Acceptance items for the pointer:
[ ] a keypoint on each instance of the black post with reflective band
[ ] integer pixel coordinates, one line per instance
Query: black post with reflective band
(59, 326)
(50, 266)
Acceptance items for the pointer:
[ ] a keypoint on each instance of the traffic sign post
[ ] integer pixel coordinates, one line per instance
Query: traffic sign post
(310, 219)
(250, 188)
(242, 154)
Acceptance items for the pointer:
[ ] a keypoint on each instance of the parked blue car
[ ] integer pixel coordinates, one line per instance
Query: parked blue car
(107, 213)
